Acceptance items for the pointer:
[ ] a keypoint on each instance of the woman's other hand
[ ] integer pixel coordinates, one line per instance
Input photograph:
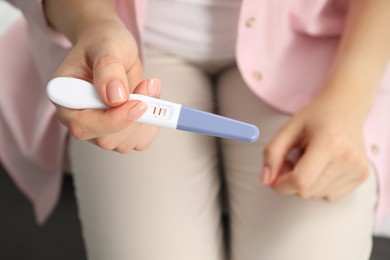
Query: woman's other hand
(319, 153)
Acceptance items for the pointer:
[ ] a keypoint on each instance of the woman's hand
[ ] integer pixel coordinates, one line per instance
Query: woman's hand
(105, 54)
(330, 158)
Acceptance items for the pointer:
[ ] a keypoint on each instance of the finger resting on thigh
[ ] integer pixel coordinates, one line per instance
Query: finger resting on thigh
(335, 189)
(330, 174)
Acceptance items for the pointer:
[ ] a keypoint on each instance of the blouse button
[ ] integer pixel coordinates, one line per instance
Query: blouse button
(250, 22)
(375, 149)
(256, 75)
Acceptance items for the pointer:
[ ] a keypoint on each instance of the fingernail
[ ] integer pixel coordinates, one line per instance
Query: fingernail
(265, 176)
(152, 87)
(116, 92)
(136, 111)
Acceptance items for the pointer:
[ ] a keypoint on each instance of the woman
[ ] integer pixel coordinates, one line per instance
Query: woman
(318, 105)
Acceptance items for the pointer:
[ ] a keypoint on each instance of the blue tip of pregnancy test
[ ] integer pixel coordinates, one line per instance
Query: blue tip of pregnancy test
(211, 124)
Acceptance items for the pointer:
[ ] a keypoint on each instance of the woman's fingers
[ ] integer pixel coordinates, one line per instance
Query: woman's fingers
(149, 87)
(88, 124)
(114, 129)
(331, 174)
(350, 176)
(322, 173)
(309, 168)
(277, 151)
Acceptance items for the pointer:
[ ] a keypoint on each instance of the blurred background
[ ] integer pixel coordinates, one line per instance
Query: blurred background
(61, 238)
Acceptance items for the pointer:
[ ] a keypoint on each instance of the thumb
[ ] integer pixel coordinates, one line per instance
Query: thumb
(110, 79)
(276, 152)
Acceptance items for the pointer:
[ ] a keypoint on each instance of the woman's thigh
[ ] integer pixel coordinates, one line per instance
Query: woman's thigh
(162, 203)
(266, 225)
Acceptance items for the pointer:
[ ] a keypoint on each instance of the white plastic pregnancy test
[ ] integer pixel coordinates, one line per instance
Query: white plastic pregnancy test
(79, 94)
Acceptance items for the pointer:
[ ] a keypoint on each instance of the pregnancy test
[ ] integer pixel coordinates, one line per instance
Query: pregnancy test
(80, 94)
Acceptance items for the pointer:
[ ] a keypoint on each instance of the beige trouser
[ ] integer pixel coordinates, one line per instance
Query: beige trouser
(164, 203)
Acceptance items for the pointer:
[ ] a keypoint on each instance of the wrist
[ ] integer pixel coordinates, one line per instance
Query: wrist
(352, 85)
(74, 18)
(347, 100)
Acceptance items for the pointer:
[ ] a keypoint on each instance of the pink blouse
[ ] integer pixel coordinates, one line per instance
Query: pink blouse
(278, 42)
